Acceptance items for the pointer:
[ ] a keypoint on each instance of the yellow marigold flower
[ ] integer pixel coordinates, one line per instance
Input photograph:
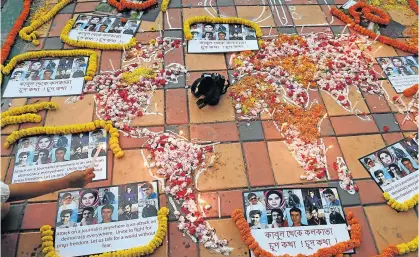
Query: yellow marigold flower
(47, 233)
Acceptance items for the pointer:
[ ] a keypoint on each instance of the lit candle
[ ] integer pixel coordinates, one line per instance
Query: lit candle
(113, 68)
(219, 207)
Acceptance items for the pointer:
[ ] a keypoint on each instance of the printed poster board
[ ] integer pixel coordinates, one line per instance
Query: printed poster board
(103, 29)
(394, 168)
(401, 71)
(47, 77)
(295, 221)
(217, 38)
(49, 157)
(105, 219)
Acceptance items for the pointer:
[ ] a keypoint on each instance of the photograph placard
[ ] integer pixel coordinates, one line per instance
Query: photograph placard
(295, 221)
(401, 71)
(103, 29)
(394, 168)
(47, 77)
(217, 38)
(49, 157)
(97, 220)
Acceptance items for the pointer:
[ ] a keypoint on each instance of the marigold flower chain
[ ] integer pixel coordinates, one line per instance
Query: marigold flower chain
(70, 129)
(405, 206)
(11, 37)
(413, 5)
(30, 108)
(400, 249)
(164, 5)
(91, 67)
(126, 4)
(48, 249)
(368, 10)
(24, 118)
(208, 19)
(383, 39)
(88, 44)
(29, 33)
(335, 250)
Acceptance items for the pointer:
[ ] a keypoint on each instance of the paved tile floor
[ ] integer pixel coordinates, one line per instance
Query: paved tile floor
(252, 154)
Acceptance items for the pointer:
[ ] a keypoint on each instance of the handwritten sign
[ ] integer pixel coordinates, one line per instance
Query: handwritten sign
(103, 29)
(96, 220)
(50, 157)
(104, 38)
(216, 46)
(216, 38)
(295, 221)
(32, 88)
(303, 240)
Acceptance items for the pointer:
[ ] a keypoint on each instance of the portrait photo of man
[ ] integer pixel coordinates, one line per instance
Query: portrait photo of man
(128, 213)
(295, 214)
(60, 153)
(255, 217)
(106, 213)
(330, 197)
(87, 217)
(65, 217)
(148, 191)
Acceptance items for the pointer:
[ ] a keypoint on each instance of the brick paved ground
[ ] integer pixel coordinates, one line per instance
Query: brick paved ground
(251, 156)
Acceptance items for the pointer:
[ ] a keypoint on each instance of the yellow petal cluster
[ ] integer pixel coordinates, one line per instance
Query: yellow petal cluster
(49, 251)
(93, 45)
(91, 67)
(30, 108)
(405, 206)
(24, 118)
(208, 19)
(29, 33)
(135, 75)
(164, 5)
(70, 129)
(408, 247)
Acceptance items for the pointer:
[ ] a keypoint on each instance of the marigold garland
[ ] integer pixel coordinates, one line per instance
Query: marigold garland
(71, 129)
(337, 249)
(368, 10)
(11, 37)
(91, 68)
(405, 206)
(400, 249)
(208, 19)
(413, 5)
(88, 44)
(383, 39)
(29, 33)
(49, 251)
(30, 108)
(126, 4)
(24, 118)
(164, 5)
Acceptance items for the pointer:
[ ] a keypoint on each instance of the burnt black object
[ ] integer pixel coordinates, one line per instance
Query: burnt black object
(211, 86)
